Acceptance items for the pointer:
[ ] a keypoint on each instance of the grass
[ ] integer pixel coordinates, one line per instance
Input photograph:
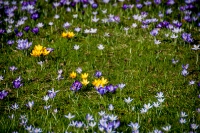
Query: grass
(133, 59)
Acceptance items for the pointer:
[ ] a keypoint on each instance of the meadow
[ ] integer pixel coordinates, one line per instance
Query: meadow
(100, 66)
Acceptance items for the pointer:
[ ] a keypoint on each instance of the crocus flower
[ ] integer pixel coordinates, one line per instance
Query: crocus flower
(94, 5)
(134, 126)
(72, 75)
(27, 28)
(139, 6)
(154, 32)
(13, 68)
(102, 90)
(23, 44)
(3, 94)
(76, 86)
(35, 30)
(17, 83)
(98, 74)
(187, 37)
(19, 34)
(52, 93)
(116, 19)
(34, 16)
(30, 104)
(111, 88)
(10, 42)
(2, 31)
(157, 2)
(125, 6)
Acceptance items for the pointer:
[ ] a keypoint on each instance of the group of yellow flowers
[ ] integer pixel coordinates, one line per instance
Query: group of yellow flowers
(39, 50)
(97, 82)
(68, 34)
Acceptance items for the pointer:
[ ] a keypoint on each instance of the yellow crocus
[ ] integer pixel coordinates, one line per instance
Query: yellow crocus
(84, 76)
(85, 82)
(70, 34)
(96, 82)
(103, 81)
(36, 53)
(64, 34)
(45, 51)
(72, 75)
(38, 47)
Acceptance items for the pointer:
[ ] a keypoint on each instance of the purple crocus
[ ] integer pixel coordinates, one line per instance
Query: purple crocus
(50, 49)
(12, 68)
(17, 83)
(187, 37)
(187, 18)
(184, 72)
(178, 24)
(116, 18)
(73, 4)
(84, 1)
(170, 2)
(23, 44)
(98, 74)
(35, 30)
(139, 6)
(2, 31)
(157, 2)
(27, 28)
(19, 34)
(154, 32)
(76, 86)
(66, 25)
(111, 88)
(102, 90)
(10, 42)
(94, 5)
(52, 93)
(185, 66)
(3, 94)
(34, 16)
(125, 6)
(109, 123)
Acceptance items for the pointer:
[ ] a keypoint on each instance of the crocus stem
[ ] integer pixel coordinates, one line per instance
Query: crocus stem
(17, 93)
(197, 58)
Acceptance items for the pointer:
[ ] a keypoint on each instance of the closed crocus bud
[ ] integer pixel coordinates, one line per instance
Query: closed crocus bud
(17, 83)
(35, 30)
(73, 4)
(94, 5)
(19, 34)
(125, 6)
(16, 30)
(34, 16)
(27, 28)
(98, 74)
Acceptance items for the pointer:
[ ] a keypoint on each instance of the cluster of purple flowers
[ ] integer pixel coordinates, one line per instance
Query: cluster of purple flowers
(125, 6)
(184, 71)
(17, 83)
(187, 37)
(23, 44)
(113, 18)
(3, 94)
(108, 123)
(109, 88)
